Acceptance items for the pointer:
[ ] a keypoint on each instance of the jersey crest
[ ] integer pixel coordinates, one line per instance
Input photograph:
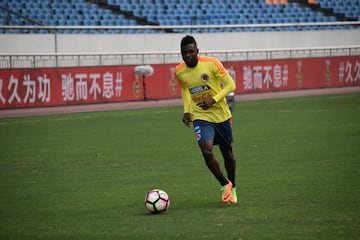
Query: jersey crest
(204, 77)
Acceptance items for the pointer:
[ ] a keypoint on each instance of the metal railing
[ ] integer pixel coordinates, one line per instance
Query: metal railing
(51, 60)
(184, 28)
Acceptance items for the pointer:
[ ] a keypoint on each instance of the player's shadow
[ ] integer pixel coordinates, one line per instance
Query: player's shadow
(189, 207)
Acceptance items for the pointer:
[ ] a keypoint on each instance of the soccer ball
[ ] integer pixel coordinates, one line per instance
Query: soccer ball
(157, 201)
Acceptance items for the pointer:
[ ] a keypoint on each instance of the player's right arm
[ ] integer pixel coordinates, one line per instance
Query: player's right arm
(186, 99)
(187, 119)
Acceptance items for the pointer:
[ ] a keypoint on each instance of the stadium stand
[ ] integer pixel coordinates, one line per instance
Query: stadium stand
(171, 13)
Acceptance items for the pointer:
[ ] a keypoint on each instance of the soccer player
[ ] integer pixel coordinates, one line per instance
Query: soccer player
(205, 83)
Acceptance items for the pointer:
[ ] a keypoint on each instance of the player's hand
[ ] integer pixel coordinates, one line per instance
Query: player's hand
(206, 103)
(186, 119)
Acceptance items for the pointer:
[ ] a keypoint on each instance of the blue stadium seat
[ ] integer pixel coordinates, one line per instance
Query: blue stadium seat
(177, 12)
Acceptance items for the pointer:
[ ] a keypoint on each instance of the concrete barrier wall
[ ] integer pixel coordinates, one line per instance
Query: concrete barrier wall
(85, 43)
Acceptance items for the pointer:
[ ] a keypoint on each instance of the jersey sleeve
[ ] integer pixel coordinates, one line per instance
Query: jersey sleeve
(226, 80)
(185, 94)
(229, 86)
(186, 98)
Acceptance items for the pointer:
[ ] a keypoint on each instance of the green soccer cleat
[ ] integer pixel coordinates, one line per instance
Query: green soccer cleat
(234, 196)
(226, 193)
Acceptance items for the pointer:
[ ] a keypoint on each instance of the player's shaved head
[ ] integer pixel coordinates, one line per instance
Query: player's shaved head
(189, 51)
(187, 40)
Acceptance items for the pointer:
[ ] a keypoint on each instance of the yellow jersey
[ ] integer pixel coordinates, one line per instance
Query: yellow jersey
(208, 79)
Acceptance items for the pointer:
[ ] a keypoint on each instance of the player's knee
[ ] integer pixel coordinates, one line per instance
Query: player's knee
(207, 154)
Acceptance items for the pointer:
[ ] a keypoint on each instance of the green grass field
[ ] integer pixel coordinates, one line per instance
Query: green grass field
(85, 176)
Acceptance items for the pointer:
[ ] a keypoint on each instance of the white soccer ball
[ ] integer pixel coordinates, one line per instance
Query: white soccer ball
(157, 201)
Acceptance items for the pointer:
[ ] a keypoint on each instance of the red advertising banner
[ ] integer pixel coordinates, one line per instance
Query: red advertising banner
(292, 74)
(84, 85)
(37, 87)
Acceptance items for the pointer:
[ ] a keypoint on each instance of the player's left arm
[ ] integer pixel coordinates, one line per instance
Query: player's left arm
(228, 87)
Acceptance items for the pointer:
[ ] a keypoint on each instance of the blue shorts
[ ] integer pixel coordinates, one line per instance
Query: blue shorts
(218, 133)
